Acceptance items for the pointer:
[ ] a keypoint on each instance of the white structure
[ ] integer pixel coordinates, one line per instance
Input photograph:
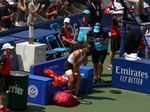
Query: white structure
(28, 54)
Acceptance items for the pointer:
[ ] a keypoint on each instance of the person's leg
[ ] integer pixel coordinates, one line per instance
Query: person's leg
(115, 46)
(112, 46)
(100, 69)
(136, 4)
(2, 94)
(2, 90)
(77, 83)
(71, 81)
(4, 86)
(111, 55)
(102, 56)
(68, 67)
(136, 7)
(96, 69)
(95, 57)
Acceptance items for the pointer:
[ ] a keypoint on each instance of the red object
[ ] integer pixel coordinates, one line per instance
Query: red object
(50, 72)
(65, 98)
(143, 46)
(59, 79)
(75, 71)
(113, 30)
(6, 68)
(107, 9)
(6, 109)
(67, 33)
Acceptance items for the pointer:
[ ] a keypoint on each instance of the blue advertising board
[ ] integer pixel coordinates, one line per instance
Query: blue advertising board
(131, 75)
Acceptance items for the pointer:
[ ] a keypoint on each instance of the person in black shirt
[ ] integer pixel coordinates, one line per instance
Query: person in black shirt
(65, 34)
(99, 41)
(7, 15)
(95, 9)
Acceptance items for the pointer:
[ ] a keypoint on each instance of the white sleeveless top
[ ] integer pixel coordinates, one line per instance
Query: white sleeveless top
(71, 57)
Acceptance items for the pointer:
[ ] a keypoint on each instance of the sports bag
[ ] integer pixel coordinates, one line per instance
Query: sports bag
(65, 98)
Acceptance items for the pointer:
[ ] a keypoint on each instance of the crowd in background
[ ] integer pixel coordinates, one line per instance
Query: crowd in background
(25, 12)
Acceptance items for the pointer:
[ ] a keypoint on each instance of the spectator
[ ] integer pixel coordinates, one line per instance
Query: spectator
(11, 2)
(95, 8)
(34, 9)
(65, 34)
(83, 26)
(72, 65)
(139, 12)
(100, 43)
(61, 5)
(8, 15)
(4, 74)
(22, 13)
(52, 10)
(2, 2)
(115, 38)
(147, 36)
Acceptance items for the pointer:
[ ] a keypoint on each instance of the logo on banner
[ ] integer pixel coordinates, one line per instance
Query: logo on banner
(32, 91)
(16, 89)
(131, 76)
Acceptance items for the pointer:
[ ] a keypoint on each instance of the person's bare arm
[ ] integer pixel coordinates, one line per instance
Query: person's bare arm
(75, 64)
(9, 16)
(52, 13)
(64, 6)
(106, 41)
(75, 34)
(85, 37)
(64, 38)
(35, 10)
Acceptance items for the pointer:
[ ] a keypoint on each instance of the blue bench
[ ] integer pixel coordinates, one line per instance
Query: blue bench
(41, 90)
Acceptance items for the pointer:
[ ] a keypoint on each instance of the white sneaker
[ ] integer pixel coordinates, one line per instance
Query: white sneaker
(110, 67)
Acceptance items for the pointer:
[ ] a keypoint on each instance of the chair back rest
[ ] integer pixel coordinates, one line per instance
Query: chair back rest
(60, 41)
(54, 26)
(41, 40)
(50, 38)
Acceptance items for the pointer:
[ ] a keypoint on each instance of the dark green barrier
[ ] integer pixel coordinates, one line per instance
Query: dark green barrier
(16, 97)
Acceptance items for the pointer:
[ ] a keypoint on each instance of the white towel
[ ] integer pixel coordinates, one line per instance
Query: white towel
(132, 57)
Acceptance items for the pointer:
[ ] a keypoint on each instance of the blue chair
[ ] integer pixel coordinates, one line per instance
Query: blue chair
(54, 26)
(56, 45)
(50, 53)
